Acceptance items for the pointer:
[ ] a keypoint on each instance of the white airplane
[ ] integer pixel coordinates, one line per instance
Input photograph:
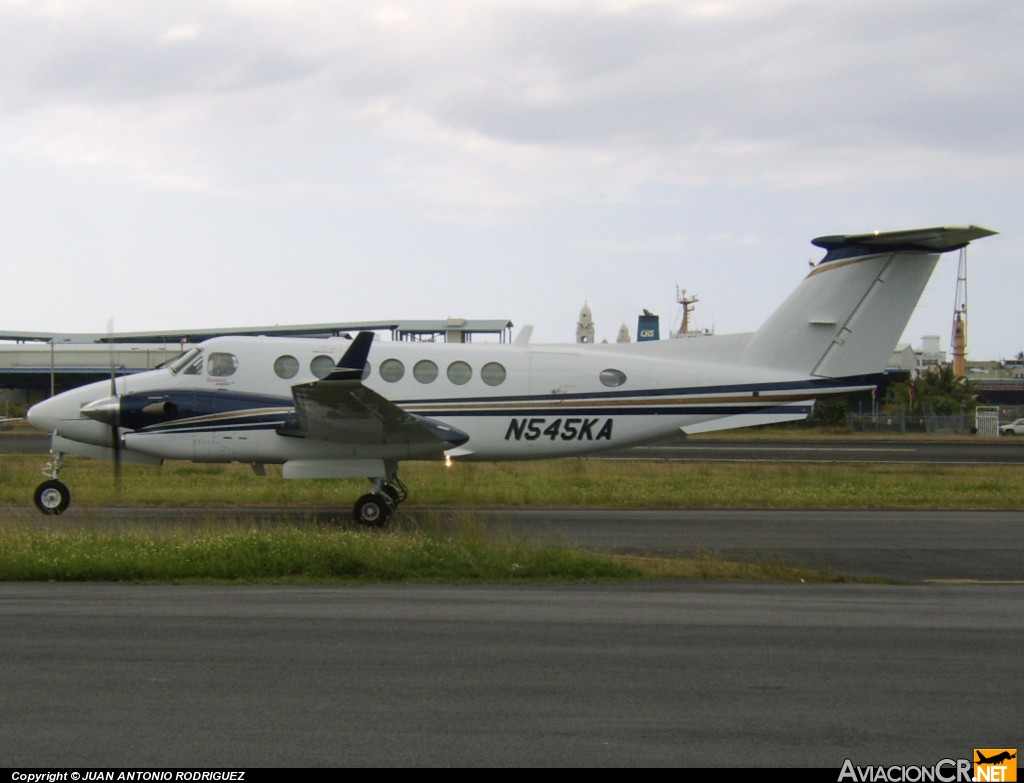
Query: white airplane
(339, 407)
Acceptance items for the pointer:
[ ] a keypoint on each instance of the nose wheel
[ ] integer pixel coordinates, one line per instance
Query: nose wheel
(52, 497)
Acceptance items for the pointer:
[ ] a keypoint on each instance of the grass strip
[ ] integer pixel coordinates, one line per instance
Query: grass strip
(566, 483)
(222, 551)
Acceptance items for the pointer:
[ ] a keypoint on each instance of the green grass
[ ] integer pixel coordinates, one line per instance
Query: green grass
(442, 549)
(445, 545)
(230, 553)
(570, 483)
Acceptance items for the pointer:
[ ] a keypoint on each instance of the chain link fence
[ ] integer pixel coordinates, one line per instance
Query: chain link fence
(982, 422)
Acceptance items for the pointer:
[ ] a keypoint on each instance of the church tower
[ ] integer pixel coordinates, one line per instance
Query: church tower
(585, 326)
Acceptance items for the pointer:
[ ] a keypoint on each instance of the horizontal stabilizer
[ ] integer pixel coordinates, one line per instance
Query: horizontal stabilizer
(844, 319)
(935, 240)
(796, 411)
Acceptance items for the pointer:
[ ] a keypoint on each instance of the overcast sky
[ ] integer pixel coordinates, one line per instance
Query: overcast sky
(235, 162)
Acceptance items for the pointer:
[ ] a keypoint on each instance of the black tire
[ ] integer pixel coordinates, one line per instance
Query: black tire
(372, 510)
(52, 497)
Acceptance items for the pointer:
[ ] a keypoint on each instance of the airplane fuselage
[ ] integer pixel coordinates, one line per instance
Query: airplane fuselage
(514, 402)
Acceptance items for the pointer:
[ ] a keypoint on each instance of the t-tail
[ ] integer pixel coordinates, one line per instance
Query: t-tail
(845, 318)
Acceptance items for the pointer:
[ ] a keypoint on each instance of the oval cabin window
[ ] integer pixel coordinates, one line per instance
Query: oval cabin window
(321, 366)
(425, 371)
(493, 374)
(392, 370)
(286, 366)
(613, 377)
(459, 373)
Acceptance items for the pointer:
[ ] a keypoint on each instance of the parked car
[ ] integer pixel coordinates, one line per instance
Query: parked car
(1013, 428)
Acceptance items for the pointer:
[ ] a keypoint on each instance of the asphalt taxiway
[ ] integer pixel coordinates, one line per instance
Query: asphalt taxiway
(650, 675)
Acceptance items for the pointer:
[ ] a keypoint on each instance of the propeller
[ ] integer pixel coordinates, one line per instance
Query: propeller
(108, 411)
(115, 425)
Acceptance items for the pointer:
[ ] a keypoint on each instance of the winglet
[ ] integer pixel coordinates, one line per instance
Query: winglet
(350, 366)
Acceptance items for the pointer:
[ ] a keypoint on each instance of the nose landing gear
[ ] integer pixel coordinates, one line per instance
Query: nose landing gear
(53, 495)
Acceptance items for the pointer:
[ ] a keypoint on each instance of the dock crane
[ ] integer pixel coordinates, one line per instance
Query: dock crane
(959, 338)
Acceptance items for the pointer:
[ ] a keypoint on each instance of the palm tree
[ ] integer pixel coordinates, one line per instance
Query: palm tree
(938, 391)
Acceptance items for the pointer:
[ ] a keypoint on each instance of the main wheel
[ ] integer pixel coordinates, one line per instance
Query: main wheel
(372, 510)
(52, 497)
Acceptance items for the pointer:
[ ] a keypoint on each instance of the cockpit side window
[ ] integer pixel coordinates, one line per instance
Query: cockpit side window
(222, 364)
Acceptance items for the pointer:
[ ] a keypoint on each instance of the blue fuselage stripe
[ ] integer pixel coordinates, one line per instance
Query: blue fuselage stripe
(198, 412)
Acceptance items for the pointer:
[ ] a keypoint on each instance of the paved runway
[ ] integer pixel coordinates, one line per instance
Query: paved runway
(908, 546)
(666, 674)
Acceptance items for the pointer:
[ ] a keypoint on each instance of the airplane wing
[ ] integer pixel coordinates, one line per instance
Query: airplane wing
(340, 408)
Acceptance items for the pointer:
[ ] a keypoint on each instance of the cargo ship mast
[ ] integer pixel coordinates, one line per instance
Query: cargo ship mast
(687, 302)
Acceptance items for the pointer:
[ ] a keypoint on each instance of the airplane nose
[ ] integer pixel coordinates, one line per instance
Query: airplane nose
(42, 416)
(62, 414)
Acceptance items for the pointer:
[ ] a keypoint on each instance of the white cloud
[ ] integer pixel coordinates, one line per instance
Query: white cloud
(547, 136)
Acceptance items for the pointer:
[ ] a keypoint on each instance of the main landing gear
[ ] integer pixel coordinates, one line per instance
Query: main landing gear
(53, 495)
(374, 508)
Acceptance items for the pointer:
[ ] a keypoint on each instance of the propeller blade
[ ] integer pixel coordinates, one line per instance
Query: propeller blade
(115, 444)
(115, 430)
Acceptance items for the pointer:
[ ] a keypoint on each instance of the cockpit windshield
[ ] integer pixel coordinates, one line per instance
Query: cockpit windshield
(183, 360)
(166, 363)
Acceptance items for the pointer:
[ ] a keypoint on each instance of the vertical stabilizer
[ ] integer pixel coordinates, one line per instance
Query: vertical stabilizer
(846, 316)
